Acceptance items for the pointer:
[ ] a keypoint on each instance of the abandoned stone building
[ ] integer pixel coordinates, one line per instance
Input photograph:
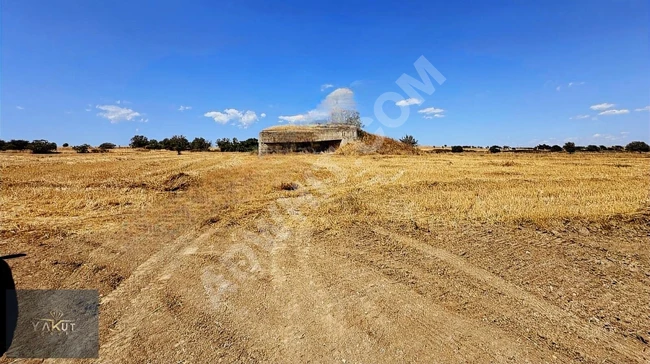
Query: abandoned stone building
(311, 138)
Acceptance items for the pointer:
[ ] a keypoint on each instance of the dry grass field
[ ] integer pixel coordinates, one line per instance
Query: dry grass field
(474, 257)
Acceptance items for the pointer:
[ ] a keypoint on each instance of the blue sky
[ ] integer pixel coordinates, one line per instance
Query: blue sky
(517, 72)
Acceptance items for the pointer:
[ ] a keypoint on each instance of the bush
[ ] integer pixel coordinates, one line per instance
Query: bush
(495, 149)
(456, 149)
(17, 144)
(570, 147)
(200, 144)
(592, 148)
(543, 147)
(248, 145)
(139, 141)
(637, 147)
(409, 140)
(154, 144)
(65, 145)
(42, 146)
(603, 147)
(83, 148)
(106, 146)
(556, 148)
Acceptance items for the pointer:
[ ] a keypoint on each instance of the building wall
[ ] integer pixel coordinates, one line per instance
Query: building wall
(316, 138)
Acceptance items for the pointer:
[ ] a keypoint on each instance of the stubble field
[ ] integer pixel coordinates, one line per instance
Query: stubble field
(203, 257)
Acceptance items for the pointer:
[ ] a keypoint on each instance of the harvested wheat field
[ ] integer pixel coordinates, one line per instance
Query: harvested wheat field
(229, 257)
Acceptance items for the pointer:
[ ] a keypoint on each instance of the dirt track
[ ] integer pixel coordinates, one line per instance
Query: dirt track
(287, 280)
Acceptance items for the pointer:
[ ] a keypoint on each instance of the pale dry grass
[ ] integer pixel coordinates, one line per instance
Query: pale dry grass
(98, 191)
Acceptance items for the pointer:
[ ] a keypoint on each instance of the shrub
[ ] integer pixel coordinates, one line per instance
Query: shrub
(556, 148)
(139, 141)
(200, 144)
(543, 147)
(456, 149)
(248, 145)
(603, 147)
(495, 149)
(107, 146)
(42, 146)
(570, 147)
(592, 148)
(83, 148)
(65, 145)
(17, 144)
(637, 146)
(410, 140)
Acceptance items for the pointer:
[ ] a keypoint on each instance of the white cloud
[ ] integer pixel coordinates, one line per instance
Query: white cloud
(579, 117)
(339, 99)
(183, 108)
(409, 102)
(122, 102)
(603, 106)
(596, 135)
(142, 120)
(433, 116)
(20, 108)
(116, 113)
(326, 86)
(614, 112)
(88, 109)
(263, 115)
(647, 108)
(431, 110)
(608, 137)
(558, 88)
(571, 84)
(244, 119)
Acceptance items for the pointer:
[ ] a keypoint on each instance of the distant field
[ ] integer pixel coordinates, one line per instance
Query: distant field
(437, 257)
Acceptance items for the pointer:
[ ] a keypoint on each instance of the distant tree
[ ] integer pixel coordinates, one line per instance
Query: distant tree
(556, 148)
(603, 147)
(154, 144)
(42, 146)
(17, 144)
(618, 148)
(83, 148)
(543, 147)
(344, 116)
(226, 145)
(65, 145)
(165, 143)
(179, 143)
(592, 148)
(456, 149)
(410, 140)
(139, 141)
(570, 147)
(3, 145)
(495, 149)
(637, 146)
(106, 146)
(200, 144)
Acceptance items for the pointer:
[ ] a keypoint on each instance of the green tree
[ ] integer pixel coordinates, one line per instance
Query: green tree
(637, 146)
(83, 148)
(154, 144)
(410, 140)
(570, 147)
(456, 149)
(139, 141)
(556, 148)
(592, 148)
(65, 145)
(179, 143)
(106, 146)
(42, 146)
(495, 149)
(200, 144)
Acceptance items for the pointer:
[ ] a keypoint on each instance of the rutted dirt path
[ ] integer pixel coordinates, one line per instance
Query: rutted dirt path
(277, 288)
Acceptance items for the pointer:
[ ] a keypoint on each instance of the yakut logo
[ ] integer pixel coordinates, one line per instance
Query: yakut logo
(54, 325)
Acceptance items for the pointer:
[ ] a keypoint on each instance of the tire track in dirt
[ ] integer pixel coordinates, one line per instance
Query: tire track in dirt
(552, 313)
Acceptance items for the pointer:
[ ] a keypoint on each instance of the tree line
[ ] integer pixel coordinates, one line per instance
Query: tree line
(569, 147)
(180, 143)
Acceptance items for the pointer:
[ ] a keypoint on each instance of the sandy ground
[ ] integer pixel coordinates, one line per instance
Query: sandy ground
(230, 268)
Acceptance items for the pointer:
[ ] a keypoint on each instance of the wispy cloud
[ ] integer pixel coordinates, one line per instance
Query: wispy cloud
(183, 108)
(571, 84)
(122, 102)
(409, 102)
(614, 112)
(326, 86)
(432, 112)
(242, 118)
(647, 108)
(579, 117)
(263, 115)
(20, 108)
(603, 106)
(341, 98)
(116, 114)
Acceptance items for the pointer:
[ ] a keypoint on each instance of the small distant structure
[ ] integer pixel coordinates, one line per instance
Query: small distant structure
(311, 138)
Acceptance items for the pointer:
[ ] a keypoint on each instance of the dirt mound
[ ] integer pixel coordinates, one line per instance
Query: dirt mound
(177, 182)
(375, 144)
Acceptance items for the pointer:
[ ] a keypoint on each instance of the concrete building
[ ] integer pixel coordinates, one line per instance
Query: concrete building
(306, 138)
